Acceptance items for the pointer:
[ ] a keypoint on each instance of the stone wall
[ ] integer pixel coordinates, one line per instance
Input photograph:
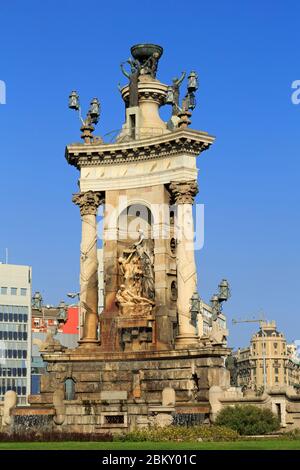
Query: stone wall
(282, 400)
(114, 394)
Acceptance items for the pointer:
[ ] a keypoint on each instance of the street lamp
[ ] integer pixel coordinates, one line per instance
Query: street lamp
(92, 116)
(74, 101)
(170, 96)
(224, 291)
(217, 299)
(192, 82)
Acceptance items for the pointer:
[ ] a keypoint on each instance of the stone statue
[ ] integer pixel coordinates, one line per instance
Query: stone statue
(231, 365)
(133, 77)
(137, 292)
(127, 268)
(127, 296)
(176, 86)
(49, 343)
(150, 66)
(141, 237)
(148, 286)
(218, 335)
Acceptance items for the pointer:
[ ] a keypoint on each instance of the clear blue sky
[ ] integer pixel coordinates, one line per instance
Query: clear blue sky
(246, 54)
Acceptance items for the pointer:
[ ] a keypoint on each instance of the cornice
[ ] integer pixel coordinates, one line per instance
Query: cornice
(74, 355)
(185, 141)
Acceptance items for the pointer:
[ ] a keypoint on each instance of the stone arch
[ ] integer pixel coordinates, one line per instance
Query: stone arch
(134, 217)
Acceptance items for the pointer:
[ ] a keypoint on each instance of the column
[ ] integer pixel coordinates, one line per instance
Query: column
(184, 194)
(88, 203)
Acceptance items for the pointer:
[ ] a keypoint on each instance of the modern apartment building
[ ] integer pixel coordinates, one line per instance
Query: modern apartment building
(15, 330)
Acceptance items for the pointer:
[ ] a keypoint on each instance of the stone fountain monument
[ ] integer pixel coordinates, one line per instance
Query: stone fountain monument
(143, 360)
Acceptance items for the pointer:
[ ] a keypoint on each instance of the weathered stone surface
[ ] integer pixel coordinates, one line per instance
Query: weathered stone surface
(74, 409)
(34, 399)
(116, 376)
(87, 376)
(118, 386)
(43, 399)
(161, 420)
(113, 395)
(87, 386)
(168, 396)
(168, 374)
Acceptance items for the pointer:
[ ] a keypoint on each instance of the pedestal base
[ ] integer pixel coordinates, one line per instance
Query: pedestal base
(88, 343)
(117, 391)
(185, 340)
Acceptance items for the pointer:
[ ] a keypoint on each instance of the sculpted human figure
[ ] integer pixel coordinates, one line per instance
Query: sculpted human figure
(127, 267)
(133, 80)
(176, 85)
(150, 66)
(128, 298)
(137, 276)
(123, 296)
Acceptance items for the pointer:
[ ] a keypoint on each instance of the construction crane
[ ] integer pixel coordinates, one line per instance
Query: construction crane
(260, 321)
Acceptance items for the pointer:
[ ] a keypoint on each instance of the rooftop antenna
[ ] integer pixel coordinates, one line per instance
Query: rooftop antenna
(6, 255)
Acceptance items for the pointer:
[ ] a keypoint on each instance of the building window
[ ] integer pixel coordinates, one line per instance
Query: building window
(114, 419)
(69, 389)
(275, 345)
(13, 290)
(3, 290)
(24, 292)
(276, 370)
(276, 379)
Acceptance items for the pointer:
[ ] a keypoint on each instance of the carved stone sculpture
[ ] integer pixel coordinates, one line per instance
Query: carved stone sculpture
(136, 293)
(133, 81)
(176, 87)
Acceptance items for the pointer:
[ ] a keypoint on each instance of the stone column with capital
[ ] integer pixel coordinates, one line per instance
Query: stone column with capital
(183, 193)
(88, 203)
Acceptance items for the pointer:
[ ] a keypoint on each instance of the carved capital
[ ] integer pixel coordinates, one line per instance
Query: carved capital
(183, 192)
(88, 202)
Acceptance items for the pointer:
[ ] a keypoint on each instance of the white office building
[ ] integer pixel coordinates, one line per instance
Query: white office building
(15, 330)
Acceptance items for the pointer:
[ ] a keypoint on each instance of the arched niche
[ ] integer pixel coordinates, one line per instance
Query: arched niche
(69, 388)
(132, 220)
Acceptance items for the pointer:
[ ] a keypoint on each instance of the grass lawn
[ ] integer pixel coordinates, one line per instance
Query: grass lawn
(275, 444)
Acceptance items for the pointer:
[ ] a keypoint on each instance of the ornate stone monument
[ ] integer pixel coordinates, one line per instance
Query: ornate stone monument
(144, 346)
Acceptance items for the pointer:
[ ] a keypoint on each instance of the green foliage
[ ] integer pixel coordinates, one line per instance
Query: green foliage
(293, 435)
(248, 420)
(53, 436)
(180, 433)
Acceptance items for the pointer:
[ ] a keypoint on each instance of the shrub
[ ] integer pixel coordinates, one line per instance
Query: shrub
(248, 419)
(180, 433)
